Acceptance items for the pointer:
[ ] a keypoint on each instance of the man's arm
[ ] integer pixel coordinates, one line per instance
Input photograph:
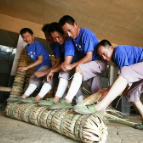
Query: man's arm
(86, 59)
(40, 74)
(67, 61)
(38, 62)
(103, 92)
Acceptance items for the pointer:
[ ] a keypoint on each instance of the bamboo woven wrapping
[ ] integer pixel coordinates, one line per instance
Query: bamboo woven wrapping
(19, 80)
(85, 128)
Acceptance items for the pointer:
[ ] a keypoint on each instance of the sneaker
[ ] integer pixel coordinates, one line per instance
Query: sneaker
(88, 109)
(29, 100)
(139, 126)
(14, 99)
(62, 104)
(47, 102)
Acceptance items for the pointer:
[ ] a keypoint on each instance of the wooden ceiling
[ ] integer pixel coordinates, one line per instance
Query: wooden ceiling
(120, 21)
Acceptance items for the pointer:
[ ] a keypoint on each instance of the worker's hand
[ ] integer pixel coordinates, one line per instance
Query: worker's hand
(67, 67)
(50, 76)
(40, 74)
(103, 92)
(22, 69)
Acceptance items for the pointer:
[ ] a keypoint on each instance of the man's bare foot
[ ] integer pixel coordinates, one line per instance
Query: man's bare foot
(24, 96)
(38, 98)
(56, 99)
(67, 101)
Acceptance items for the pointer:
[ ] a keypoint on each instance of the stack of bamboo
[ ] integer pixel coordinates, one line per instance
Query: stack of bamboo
(19, 80)
(85, 128)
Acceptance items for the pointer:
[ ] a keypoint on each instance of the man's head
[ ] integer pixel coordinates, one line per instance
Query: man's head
(56, 32)
(27, 35)
(47, 36)
(69, 26)
(105, 50)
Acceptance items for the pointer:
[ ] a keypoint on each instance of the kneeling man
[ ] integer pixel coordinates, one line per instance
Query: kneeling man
(129, 61)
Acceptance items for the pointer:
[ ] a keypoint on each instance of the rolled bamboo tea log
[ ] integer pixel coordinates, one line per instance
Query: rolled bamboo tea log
(85, 128)
(19, 80)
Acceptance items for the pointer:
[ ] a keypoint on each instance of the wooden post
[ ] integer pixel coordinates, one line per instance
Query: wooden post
(5, 89)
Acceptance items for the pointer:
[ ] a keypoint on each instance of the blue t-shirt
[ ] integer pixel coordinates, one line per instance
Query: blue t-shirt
(35, 50)
(127, 55)
(85, 42)
(69, 49)
(56, 48)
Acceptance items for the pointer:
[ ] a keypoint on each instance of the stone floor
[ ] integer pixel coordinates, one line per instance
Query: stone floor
(14, 131)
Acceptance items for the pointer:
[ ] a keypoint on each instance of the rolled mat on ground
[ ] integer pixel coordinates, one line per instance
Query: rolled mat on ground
(85, 128)
(89, 128)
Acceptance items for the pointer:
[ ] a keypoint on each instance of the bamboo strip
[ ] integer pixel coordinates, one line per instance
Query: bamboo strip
(91, 99)
(5, 89)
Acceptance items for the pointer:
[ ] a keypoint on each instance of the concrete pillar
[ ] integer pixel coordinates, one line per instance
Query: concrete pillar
(113, 73)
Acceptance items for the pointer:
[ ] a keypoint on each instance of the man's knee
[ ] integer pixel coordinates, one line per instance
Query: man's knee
(103, 65)
(77, 69)
(123, 70)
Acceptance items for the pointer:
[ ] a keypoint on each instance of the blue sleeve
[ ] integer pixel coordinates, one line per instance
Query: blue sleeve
(121, 59)
(56, 50)
(89, 43)
(69, 48)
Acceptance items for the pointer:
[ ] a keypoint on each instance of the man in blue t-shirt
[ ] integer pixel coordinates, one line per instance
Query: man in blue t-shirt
(71, 55)
(90, 66)
(41, 61)
(47, 86)
(129, 61)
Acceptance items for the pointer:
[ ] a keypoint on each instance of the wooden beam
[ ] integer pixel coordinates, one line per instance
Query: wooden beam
(5, 89)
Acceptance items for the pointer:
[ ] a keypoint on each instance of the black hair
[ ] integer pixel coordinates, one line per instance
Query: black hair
(66, 19)
(54, 26)
(24, 30)
(103, 43)
(45, 27)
